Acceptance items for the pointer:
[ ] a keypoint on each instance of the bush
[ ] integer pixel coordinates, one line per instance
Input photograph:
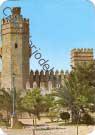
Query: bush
(87, 119)
(18, 125)
(4, 123)
(92, 108)
(65, 116)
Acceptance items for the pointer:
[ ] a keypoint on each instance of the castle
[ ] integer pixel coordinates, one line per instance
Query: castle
(15, 53)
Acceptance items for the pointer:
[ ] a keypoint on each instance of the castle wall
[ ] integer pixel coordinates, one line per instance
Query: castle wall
(47, 80)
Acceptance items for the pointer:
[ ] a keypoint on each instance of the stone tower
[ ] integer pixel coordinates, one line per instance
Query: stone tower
(82, 55)
(15, 50)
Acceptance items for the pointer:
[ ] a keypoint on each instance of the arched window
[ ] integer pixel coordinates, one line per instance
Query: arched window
(16, 45)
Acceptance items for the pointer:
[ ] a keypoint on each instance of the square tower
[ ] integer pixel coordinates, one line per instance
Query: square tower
(82, 55)
(15, 50)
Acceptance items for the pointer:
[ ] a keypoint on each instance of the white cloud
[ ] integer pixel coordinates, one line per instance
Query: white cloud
(2, 1)
(93, 1)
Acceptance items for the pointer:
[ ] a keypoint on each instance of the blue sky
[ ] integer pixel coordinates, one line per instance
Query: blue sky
(57, 26)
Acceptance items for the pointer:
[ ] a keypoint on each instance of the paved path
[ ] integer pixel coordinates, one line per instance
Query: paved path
(66, 130)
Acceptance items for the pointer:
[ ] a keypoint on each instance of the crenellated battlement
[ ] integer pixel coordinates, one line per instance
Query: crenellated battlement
(82, 50)
(9, 20)
(16, 11)
(5, 21)
(55, 77)
(37, 72)
(26, 20)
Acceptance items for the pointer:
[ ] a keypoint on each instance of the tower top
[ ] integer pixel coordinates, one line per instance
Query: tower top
(82, 50)
(16, 11)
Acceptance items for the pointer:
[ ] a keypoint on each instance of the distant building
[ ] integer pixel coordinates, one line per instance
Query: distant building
(82, 55)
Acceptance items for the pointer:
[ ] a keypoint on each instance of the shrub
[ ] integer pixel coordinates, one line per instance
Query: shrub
(92, 108)
(65, 116)
(87, 119)
(4, 123)
(18, 125)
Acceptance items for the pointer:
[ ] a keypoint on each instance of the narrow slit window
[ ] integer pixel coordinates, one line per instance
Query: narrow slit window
(16, 46)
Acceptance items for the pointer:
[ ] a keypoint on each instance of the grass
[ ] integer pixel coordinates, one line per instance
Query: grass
(4, 123)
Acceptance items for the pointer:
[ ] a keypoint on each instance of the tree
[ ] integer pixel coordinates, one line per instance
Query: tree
(33, 103)
(51, 106)
(6, 102)
(78, 91)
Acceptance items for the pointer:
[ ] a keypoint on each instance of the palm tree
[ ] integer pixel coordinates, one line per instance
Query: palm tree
(6, 102)
(78, 90)
(33, 103)
(51, 106)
